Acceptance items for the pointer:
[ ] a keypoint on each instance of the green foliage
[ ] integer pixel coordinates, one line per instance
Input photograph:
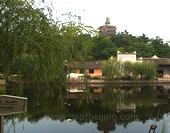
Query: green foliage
(103, 48)
(121, 49)
(33, 46)
(128, 69)
(149, 70)
(142, 49)
(125, 42)
(90, 58)
(144, 46)
(95, 78)
(28, 43)
(146, 70)
(113, 69)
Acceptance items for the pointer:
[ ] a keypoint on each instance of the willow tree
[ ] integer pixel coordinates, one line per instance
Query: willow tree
(150, 70)
(128, 69)
(112, 68)
(33, 46)
(76, 37)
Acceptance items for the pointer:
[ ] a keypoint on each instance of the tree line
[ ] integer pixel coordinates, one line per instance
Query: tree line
(35, 46)
(105, 47)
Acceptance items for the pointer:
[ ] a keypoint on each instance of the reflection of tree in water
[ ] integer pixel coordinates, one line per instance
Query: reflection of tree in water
(109, 99)
(138, 95)
(86, 96)
(48, 102)
(42, 100)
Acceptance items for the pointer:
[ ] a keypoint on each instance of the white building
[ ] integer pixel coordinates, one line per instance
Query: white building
(128, 57)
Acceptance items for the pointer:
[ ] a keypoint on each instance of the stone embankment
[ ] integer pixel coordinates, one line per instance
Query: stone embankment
(102, 81)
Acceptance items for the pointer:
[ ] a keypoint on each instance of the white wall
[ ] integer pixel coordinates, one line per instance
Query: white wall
(126, 57)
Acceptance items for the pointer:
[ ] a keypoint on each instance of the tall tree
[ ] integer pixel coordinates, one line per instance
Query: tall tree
(159, 47)
(103, 48)
(33, 46)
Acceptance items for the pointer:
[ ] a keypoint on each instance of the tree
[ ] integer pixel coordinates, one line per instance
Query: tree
(150, 70)
(128, 69)
(159, 47)
(143, 39)
(142, 49)
(123, 39)
(33, 46)
(121, 49)
(112, 68)
(103, 48)
(146, 70)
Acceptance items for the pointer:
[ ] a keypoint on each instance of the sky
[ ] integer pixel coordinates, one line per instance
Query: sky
(151, 17)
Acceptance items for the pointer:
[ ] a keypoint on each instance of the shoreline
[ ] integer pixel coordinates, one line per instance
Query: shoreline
(102, 81)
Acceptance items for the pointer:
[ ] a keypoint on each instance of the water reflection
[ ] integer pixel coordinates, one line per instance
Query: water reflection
(110, 107)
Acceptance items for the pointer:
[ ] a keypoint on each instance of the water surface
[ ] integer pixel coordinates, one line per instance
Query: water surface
(96, 109)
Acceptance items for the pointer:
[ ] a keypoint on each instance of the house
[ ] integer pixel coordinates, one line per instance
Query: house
(92, 68)
(128, 57)
(163, 65)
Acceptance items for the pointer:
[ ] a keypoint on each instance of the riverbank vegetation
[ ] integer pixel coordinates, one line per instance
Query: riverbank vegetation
(114, 69)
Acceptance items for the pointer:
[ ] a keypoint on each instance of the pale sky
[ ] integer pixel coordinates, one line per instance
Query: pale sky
(151, 17)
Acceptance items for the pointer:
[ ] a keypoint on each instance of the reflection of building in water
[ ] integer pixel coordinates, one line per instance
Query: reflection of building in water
(2, 84)
(75, 91)
(165, 90)
(126, 107)
(76, 88)
(162, 97)
(122, 102)
(2, 87)
(80, 88)
(98, 90)
(121, 105)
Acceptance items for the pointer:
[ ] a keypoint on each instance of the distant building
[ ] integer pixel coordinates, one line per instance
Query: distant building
(93, 68)
(163, 64)
(107, 29)
(128, 57)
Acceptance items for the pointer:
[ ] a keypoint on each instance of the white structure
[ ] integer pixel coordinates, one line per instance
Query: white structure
(75, 76)
(126, 56)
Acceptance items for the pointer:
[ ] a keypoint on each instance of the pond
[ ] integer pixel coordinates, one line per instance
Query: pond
(96, 109)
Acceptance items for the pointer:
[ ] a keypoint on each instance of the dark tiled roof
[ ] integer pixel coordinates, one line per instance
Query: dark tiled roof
(89, 65)
(159, 61)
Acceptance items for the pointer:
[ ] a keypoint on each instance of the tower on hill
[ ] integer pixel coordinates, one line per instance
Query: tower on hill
(107, 29)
